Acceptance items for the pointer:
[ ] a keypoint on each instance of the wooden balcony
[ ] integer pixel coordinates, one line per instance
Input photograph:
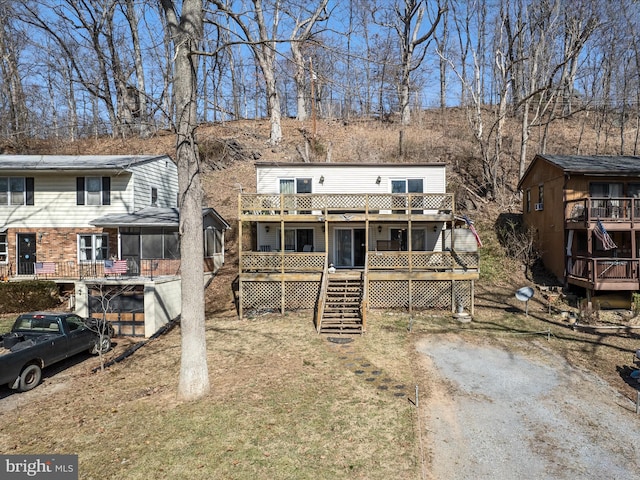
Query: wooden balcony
(380, 264)
(606, 274)
(336, 207)
(623, 211)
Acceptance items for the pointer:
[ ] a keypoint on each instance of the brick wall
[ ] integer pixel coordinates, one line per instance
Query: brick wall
(57, 244)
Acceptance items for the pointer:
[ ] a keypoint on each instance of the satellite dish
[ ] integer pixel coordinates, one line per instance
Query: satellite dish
(524, 294)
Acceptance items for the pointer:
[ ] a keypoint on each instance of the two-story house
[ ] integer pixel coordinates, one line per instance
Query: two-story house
(87, 221)
(342, 238)
(585, 211)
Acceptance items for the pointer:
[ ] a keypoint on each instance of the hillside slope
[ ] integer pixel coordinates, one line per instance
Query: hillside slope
(229, 151)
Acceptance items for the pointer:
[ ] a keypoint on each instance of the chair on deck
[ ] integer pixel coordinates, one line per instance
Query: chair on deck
(265, 248)
(307, 248)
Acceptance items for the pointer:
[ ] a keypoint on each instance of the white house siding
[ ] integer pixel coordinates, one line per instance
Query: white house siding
(162, 174)
(55, 201)
(350, 178)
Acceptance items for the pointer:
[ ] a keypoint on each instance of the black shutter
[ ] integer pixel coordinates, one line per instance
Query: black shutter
(106, 190)
(79, 190)
(29, 190)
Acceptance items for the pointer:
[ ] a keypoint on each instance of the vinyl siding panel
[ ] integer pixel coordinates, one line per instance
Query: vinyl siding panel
(55, 202)
(349, 178)
(161, 174)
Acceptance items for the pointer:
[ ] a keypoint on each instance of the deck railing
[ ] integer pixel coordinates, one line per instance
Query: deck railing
(148, 268)
(598, 270)
(610, 209)
(314, 262)
(280, 204)
(282, 261)
(425, 261)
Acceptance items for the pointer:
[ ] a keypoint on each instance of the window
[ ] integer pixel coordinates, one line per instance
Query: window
(405, 185)
(93, 191)
(92, 248)
(212, 242)
(601, 189)
(3, 248)
(16, 190)
(541, 194)
(154, 197)
(295, 239)
(159, 243)
(297, 185)
(528, 201)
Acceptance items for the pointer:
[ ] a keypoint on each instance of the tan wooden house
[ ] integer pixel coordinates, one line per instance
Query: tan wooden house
(342, 238)
(586, 214)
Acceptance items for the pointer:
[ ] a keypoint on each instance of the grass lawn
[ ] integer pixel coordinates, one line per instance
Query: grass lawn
(285, 403)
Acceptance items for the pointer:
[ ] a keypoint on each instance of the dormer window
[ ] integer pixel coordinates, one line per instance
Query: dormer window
(154, 197)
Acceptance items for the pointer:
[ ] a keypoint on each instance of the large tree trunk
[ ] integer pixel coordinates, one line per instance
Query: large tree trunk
(141, 113)
(298, 60)
(186, 33)
(12, 85)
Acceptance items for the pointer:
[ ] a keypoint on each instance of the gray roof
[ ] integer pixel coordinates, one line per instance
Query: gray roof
(346, 164)
(74, 162)
(152, 217)
(593, 164)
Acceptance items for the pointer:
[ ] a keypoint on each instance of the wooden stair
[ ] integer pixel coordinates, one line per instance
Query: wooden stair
(342, 307)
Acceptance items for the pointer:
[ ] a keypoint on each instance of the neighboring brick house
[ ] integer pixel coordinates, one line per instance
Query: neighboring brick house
(94, 218)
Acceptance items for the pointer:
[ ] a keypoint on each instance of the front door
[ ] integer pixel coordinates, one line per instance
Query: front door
(26, 253)
(130, 251)
(350, 247)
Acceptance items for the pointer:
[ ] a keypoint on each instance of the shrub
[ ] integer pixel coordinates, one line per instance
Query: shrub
(28, 296)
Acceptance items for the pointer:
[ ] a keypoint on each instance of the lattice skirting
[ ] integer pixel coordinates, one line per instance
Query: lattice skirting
(442, 294)
(424, 294)
(268, 295)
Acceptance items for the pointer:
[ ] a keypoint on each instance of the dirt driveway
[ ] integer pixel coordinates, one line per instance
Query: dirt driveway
(493, 414)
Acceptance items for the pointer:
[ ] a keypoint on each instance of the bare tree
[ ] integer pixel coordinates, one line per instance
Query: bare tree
(10, 81)
(407, 23)
(261, 37)
(140, 113)
(301, 33)
(186, 31)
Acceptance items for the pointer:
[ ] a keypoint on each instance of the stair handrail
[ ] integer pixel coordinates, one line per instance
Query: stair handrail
(322, 294)
(364, 302)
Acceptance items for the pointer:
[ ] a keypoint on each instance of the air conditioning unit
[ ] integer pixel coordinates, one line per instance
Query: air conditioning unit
(539, 207)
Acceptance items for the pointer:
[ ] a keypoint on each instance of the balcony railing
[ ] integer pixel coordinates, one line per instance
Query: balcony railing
(280, 204)
(601, 270)
(290, 262)
(609, 209)
(148, 268)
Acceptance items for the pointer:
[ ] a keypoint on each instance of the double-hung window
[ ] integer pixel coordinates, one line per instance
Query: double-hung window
(93, 247)
(16, 190)
(93, 191)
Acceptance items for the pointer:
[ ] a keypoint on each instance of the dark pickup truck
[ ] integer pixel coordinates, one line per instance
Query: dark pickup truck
(40, 339)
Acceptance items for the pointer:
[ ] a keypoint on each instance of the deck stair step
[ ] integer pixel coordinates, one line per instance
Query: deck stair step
(342, 310)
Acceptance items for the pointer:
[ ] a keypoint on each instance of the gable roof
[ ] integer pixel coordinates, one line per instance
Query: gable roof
(74, 162)
(347, 164)
(619, 165)
(153, 217)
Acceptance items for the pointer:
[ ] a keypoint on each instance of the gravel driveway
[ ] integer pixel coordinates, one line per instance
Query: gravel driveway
(492, 414)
